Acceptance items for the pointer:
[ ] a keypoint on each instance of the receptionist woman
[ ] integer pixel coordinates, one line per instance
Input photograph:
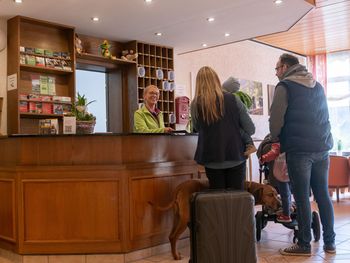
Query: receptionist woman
(149, 119)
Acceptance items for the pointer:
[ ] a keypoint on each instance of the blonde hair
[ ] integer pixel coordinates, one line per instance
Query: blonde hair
(209, 99)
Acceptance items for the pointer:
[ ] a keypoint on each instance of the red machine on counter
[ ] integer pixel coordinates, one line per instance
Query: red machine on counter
(182, 105)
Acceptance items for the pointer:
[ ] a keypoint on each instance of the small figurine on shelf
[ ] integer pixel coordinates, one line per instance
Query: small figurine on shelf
(78, 45)
(105, 49)
(129, 55)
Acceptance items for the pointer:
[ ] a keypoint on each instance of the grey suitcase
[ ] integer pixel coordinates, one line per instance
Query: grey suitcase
(222, 227)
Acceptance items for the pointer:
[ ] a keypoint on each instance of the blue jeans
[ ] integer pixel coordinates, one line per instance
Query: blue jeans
(284, 190)
(305, 170)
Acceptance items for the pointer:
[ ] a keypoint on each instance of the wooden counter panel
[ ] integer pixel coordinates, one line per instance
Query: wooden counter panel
(7, 209)
(147, 224)
(71, 211)
(90, 194)
(98, 149)
(158, 148)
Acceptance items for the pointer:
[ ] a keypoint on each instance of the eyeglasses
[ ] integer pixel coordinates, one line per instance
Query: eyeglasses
(153, 93)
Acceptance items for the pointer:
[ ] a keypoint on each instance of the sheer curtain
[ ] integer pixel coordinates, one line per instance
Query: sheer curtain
(338, 96)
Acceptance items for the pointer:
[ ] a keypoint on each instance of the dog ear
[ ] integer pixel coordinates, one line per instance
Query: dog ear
(257, 195)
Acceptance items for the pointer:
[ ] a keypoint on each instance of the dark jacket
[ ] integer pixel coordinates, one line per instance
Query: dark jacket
(306, 121)
(221, 141)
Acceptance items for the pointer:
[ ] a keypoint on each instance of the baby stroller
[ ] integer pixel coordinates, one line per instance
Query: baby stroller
(262, 217)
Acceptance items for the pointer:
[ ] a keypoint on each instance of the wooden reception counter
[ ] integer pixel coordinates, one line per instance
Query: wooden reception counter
(91, 193)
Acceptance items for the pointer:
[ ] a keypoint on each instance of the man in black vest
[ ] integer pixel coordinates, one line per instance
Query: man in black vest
(300, 121)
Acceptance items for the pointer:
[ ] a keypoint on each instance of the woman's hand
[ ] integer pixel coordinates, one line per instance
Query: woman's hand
(168, 129)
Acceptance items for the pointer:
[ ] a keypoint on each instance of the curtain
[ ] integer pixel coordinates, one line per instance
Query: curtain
(318, 67)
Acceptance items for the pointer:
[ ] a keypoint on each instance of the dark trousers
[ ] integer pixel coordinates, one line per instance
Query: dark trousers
(232, 178)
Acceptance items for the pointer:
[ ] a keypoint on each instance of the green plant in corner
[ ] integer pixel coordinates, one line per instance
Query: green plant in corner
(79, 109)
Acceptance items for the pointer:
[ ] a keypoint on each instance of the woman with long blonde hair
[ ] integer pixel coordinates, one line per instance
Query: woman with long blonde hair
(218, 116)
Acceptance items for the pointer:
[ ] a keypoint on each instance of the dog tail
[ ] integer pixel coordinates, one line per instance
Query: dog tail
(170, 204)
(163, 208)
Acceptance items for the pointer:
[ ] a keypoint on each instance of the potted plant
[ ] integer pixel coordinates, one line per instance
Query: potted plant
(85, 121)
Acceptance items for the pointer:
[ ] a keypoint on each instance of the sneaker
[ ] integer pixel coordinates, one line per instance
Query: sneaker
(329, 248)
(250, 148)
(283, 218)
(296, 250)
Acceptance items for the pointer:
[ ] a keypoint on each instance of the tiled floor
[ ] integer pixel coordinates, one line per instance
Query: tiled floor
(275, 236)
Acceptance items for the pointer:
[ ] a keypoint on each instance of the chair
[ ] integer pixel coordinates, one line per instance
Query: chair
(339, 171)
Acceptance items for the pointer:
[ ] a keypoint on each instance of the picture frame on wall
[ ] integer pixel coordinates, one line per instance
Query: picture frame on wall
(254, 90)
(270, 94)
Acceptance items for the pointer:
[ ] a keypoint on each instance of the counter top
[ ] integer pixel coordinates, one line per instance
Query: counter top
(175, 133)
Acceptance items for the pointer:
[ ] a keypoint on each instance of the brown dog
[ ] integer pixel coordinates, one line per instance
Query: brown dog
(263, 194)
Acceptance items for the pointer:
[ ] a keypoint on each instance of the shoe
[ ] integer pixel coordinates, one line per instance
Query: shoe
(330, 248)
(296, 250)
(283, 219)
(250, 148)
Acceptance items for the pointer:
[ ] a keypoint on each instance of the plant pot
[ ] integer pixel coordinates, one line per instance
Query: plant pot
(85, 127)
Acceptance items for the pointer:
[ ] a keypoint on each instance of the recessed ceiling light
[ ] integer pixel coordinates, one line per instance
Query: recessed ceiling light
(18, 1)
(204, 45)
(210, 19)
(277, 2)
(227, 34)
(95, 19)
(148, 1)
(158, 34)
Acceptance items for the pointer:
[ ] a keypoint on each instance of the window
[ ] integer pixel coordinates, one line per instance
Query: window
(93, 86)
(338, 96)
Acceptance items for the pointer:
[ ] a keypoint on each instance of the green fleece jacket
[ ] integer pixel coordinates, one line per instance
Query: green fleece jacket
(145, 122)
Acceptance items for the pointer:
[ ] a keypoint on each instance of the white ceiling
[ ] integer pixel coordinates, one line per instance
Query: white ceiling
(182, 22)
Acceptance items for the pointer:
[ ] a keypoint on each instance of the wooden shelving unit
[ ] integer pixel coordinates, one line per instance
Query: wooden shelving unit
(125, 87)
(153, 58)
(33, 33)
(118, 61)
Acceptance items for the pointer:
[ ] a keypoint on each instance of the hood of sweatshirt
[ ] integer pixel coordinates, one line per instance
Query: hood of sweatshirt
(299, 74)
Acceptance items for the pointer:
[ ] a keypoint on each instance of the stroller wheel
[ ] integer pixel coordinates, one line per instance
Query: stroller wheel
(259, 224)
(315, 226)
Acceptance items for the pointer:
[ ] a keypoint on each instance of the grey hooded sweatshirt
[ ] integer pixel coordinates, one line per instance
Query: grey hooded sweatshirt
(298, 74)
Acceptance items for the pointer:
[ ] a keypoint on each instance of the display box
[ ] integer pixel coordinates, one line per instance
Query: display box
(48, 126)
(69, 125)
(23, 106)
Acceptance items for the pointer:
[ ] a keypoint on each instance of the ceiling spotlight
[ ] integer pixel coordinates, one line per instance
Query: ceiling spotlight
(277, 2)
(95, 19)
(210, 19)
(158, 34)
(204, 45)
(18, 1)
(148, 1)
(227, 34)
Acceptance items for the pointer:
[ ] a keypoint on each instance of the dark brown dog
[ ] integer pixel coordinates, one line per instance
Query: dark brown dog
(263, 194)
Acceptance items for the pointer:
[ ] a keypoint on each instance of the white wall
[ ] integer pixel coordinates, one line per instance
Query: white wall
(3, 79)
(246, 60)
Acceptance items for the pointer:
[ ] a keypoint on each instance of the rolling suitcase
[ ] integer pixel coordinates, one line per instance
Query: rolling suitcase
(222, 227)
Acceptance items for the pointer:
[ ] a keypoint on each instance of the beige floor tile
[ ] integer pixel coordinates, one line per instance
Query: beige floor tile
(67, 259)
(299, 259)
(262, 260)
(36, 259)
(138, 255)
(113, 258)
(276, 258)
(340, 255)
